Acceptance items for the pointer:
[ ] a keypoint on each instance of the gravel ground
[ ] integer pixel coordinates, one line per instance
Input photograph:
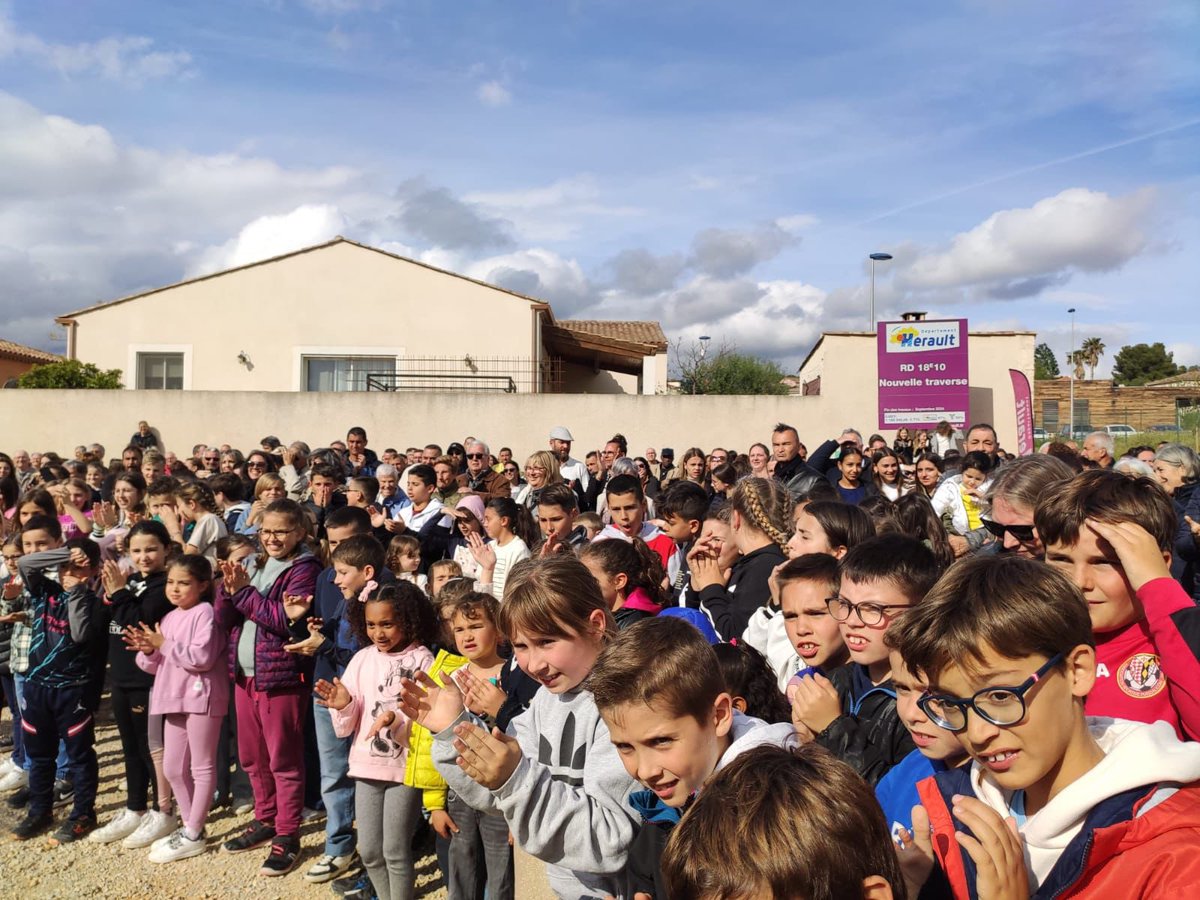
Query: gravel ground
(34, 869)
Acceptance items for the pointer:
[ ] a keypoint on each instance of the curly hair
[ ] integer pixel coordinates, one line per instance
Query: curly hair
(413, 611)
(766, 505)
(747, 675)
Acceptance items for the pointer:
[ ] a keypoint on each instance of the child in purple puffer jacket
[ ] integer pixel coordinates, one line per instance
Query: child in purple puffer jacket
(257, 603)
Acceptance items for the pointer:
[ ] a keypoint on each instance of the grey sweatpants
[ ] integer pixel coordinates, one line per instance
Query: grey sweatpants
(478, 832)
(387, 815)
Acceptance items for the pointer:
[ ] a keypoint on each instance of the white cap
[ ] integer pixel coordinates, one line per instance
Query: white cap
(559, 433)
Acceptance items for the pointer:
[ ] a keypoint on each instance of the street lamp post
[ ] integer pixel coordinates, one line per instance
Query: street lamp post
(1071, 363)
(875, 257)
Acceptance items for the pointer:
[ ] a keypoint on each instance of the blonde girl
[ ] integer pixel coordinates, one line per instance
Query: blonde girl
(557, 622)
(269, 488)
(541, 469)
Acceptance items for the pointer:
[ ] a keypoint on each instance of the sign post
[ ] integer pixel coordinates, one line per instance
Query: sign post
(923, 373)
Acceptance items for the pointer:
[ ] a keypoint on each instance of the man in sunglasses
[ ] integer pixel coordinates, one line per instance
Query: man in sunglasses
(1012, 498)
(480, 479)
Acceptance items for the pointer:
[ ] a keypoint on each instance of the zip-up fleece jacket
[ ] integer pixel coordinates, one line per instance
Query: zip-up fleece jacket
(567, 802)
(274, 667)
(188, 669)
(1150, 670)
(868, 735)
(731, 606)
(1129, 828)
(659, 820)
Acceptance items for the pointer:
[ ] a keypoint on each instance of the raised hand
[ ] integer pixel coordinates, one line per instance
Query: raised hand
(113, 578)
(234, 576)
(996, 849)
(332, 696)
(480, 695)
(385, 719)
(914, 849)
(104, 514)
(311, 644)
(143, 638)
(428, 703)
(484, 554)
(1136, 549)
(816, 703)
(13, 587)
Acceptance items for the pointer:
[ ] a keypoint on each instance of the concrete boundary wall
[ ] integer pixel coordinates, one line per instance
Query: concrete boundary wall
(59, 420)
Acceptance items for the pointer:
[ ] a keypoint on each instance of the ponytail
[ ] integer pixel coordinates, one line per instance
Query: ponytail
(637, 562)
(520, 519)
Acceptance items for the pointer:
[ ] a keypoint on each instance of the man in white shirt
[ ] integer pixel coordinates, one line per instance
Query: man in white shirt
(570, 469)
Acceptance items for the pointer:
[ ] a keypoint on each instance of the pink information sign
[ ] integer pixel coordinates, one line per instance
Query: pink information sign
(923, 373)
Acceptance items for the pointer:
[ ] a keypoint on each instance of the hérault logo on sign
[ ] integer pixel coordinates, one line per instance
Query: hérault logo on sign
(919, 337)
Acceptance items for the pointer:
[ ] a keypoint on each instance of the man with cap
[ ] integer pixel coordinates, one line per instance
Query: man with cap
(666, 468)
(570, 469)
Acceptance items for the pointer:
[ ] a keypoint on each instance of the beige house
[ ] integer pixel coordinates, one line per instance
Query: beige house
(843, 365)
(17, 359)
(342, 316)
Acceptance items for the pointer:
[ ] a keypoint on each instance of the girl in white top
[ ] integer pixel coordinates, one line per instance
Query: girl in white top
(197, 504)
(512, 530)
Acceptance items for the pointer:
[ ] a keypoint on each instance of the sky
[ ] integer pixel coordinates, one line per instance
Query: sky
(722, 168)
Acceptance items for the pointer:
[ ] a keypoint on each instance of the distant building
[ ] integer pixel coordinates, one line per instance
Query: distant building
(1159, 406)
(343, 316)
(17, 359)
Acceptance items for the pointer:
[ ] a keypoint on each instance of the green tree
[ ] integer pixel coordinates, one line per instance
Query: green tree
(1141, 363)
(1092, 349)
(726, 372)
(70, 373)
(1045, 363)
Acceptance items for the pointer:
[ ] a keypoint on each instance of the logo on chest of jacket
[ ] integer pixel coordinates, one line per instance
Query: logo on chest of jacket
(1141, 676)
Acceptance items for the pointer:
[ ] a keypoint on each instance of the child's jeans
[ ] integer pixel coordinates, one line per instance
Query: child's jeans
(337, 790)
(387, 814)
(271, 748)
(481, 842)
(189, 760)
(48, 715)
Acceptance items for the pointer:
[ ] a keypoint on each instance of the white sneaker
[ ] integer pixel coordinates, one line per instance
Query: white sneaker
(8, 766)
(14, 780)
(327, 868)
(154, 825)
(123, 824)
(178, 846)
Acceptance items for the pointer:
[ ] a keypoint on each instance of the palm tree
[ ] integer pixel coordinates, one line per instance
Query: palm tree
(1075, 360)
(1091, 350)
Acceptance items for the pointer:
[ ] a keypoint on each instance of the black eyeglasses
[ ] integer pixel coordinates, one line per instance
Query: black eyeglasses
(475, 456)
(253, 464)
(1022, 533)
(870, 613)
(1001, 706)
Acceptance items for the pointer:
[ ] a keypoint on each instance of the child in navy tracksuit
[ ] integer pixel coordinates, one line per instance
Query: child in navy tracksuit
(59, 685)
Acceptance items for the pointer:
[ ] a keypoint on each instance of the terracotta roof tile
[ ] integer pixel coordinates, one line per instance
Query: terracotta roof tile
(27, 354)
(631, 332)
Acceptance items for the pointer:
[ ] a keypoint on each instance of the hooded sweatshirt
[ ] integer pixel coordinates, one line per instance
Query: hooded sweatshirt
(567, 801)
(1127, 828)
(658, 820)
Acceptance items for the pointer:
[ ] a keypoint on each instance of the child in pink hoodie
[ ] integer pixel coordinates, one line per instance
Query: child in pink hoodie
(398, 623)
(186, 654)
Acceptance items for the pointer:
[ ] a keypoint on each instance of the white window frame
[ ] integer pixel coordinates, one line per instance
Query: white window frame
(299, 353)
(137, 349)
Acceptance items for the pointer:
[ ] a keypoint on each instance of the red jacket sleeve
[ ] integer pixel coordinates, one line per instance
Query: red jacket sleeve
(1174, 622)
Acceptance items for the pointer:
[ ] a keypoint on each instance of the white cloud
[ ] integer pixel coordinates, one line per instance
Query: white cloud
(724, 252)
(552, 212)
(1186, 353)
(269, 236)
(493, 93)
(1021, 252)
(131, 59)
(539, 273)
(797, 223)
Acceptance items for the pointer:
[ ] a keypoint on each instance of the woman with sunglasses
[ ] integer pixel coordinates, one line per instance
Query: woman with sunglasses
(1015, 493)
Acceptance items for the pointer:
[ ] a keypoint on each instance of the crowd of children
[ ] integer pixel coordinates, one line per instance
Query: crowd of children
(845, 674)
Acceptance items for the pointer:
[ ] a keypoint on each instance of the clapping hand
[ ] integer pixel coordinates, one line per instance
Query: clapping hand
(480, 695)
(143, 638)
(385, 719)
(311, 644)
(816, 703)
(296, 607)
(234, 576)
(113, 578)
(484, 554)
(428, 703)
(332, 696)
(703, 566)
(489, 759)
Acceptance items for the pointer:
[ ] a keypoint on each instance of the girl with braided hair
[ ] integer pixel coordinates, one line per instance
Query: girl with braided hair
(760, 510)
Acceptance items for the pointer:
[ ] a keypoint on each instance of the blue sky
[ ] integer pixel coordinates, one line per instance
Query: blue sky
(723, 168)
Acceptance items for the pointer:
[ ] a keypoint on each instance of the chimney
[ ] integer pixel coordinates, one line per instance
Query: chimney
(913, 316)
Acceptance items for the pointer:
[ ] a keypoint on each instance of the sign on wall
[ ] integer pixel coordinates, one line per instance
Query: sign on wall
(923, 373)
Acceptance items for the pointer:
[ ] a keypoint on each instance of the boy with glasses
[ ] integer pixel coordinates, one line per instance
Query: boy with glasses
(1053, 804)
(853, 712)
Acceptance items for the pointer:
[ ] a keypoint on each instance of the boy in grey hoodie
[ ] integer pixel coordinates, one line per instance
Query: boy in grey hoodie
(659, 690)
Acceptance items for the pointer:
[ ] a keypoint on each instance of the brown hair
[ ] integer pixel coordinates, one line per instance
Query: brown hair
(788, 818)
(359, 551)
(661, 660)
(1105, 496)
(766, 506)
(1017, 607)
(819, 567)
(1025, 481)
(199, 493)
(640, 565)
(473, 605)
(552, 596)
